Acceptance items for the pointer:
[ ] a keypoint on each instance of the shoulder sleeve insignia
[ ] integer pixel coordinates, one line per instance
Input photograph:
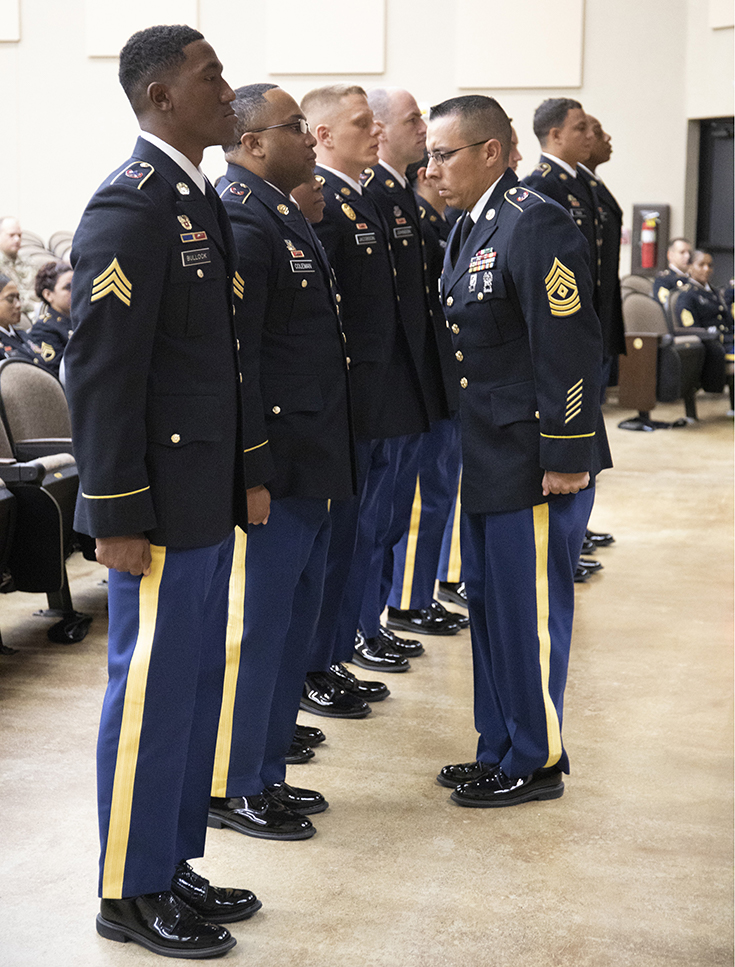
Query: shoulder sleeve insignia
(112, 281)
(349, 212)
(320, 179)
(686, 318)
(367, 176)
(240, 190)
(422, 211)
(137, 172)
(663, 295)
(514, 196)
(562, 290)
(544, 167)
(238, 284)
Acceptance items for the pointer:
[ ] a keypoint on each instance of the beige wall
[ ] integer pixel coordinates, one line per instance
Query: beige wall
(648, 66)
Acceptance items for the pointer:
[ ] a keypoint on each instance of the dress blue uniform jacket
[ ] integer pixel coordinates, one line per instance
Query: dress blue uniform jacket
(17, 343)
(51, 332)
(152, 370)
(703, 308)
(529, 349)
(579, 198)
(387, 399)
(610, 308)
(666, 281)
(400, 212)
(292, 348)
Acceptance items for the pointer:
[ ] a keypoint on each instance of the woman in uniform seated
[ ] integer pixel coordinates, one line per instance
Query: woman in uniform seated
(53, 328)
(13, 341)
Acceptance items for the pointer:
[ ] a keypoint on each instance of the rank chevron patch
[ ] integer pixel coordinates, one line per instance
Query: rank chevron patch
(112, 281)
(562, 289)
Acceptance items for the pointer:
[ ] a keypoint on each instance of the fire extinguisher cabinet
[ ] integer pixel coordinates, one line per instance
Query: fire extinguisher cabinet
(650, 238)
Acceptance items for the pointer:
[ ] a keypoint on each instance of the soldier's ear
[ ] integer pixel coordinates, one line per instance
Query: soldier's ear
(493, 152)
(252, 144)
(323, 135)
(158, 96)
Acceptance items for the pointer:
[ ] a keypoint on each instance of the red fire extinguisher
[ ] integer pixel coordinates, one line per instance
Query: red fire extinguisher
(649, 241)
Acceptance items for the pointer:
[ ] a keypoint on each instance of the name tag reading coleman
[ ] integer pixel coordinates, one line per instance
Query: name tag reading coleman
(406, 232)
(195, 256)
(366, 238)
(302, 265)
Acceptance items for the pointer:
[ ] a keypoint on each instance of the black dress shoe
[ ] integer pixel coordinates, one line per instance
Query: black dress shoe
(441, 612)
(322, 696)
(308, 734)
(407, 647)
(367, 691)
(301, 801)
(422, 621)
(453, 776)
(589, 565)
(587, 547)
(373, 653)
(214, 903)
(298, 753)
(453, 591)
(599, 540)
(259, 816)
(498, 790)
(581, 574)
(163, 923)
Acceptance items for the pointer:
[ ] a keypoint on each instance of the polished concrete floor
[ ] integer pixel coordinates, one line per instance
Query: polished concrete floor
(633, 866)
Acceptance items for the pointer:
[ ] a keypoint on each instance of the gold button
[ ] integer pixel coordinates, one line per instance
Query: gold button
(238, 343)
(459, 356)
(463, 382)
(35, 362)
(425, 267)
(234, 311)
(344, 337)
(240, 377)
(338, 297)
(200, 273)
(450, 300)
(348, 360)
(405, 241)
(304, 283)
(536, 414)
(175, 438)
(480, 296)
(276, 410)
(455, 329)
(394, 273)
(369, 250)
(427, 290)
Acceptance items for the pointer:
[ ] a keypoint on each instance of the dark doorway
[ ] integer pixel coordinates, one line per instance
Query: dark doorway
(715, 208)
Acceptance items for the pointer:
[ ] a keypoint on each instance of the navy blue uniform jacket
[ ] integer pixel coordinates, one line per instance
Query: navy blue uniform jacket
(151, 367)
(387, 399)
(51, 332)
(292, 349)
(529, 350)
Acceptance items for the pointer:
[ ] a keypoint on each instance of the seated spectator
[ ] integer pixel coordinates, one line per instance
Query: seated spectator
(52, 331)
(16, 268)
(13, 340)
(679, 254)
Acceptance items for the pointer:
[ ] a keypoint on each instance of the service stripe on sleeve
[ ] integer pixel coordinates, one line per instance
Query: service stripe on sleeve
(541, 537)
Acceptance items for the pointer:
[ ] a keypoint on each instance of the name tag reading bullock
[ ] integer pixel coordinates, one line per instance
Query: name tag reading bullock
(195, 256)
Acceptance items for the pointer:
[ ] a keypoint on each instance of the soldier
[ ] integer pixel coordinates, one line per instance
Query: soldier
(15, 266)
(518, 296)
(53, 328)
(679, 255)
(298, 448)
(153, 386)
(15, 342)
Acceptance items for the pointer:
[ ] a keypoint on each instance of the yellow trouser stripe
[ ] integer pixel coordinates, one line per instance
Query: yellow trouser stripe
(233, 641)
(541, 537)
(129, 740)
(413, 538)
(454, 566)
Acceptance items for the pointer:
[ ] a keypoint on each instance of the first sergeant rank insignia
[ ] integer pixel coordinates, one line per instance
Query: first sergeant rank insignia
(562, 290)
(112, 281)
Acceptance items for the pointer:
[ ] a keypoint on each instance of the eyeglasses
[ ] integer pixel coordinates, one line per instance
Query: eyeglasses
(440, 157)
(302, 126)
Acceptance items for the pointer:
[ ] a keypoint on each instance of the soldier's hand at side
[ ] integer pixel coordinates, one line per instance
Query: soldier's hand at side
(564, 483)
(259, 505)
(131, 553)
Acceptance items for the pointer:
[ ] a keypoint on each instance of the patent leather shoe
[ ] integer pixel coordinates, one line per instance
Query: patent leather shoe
(408, 647)
(323, 696)
(259, 816)
(301, 801)
(599, 540)
(453, 591)
(589, 565)
(587, 547)
(422, 621)
(373, 653)
(214, 903)
(308, 734)
(499, 790)
(453, 776)
(441, 612)
(163, 923)
(581, 574)
(298, 752)
(368, 691)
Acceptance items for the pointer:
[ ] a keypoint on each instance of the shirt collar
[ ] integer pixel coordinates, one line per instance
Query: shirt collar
(401, 178)
(591, 174)
(477, 210)
(340, 174)
(178, 158)
(563, 164)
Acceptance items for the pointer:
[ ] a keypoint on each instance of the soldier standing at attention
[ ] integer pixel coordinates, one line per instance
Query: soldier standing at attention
(518, 297)
(153, 385)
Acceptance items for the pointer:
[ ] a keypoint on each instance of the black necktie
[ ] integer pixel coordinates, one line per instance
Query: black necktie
(464, 231)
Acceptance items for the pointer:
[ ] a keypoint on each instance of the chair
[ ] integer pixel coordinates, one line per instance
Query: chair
(659, 366)
(637, 283)
(60, 244)
(34, 410)
(8, 514)
(45, 491)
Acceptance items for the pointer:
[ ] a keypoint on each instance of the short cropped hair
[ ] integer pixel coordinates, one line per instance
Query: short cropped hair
(318, 105)
(552, 113)
(4, 279)
(248, 105)
(48, 275)
(482, 118)
(679, 238)
(150, 54)
(380, 101)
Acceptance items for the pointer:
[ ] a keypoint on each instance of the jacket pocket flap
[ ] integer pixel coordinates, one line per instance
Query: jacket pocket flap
(174, 421)
(514, 403)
